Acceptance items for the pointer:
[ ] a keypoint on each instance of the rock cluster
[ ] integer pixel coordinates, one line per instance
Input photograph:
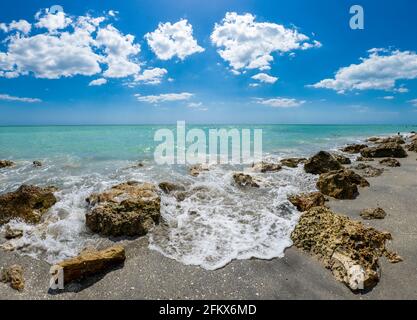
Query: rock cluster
(341, 184)
(384, 150)
(127, 209)
(322, 162)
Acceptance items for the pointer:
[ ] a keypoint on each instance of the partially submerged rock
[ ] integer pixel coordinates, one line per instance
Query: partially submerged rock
(385, 150)
(354, 148)
(91, 262)
(168, 187)
(244, 180)
(6, 163)
(37, 163)
(127, 209)
(28, 203)
(346, 247)
(14, 276)
(342, 159)
(195, 170)
(266, 167)
(11, 233)
(341, 184)
(322, 162)
(292, 162)
(373, 213)
(369, 171)
(306, 201)
(390, 162)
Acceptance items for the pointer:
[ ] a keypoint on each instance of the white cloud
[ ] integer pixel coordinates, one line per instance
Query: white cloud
(113, 13)
(21, 25)
(170, 40)
(98, 82)
(197, 106)
(154, 99)
(379, 71)
(401, 90)
(246, 44)
(413, 102)
(280, 102)
(388, 98)
(52, 21)
(151, 76)
(265, 78)
(7, 97)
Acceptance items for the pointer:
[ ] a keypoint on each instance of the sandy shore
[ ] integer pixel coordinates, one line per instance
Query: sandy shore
(149, 275)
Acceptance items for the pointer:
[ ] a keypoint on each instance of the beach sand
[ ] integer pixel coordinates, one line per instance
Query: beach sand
(149, 275)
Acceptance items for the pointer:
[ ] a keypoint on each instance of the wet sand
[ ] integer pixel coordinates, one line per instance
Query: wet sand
(149, 275)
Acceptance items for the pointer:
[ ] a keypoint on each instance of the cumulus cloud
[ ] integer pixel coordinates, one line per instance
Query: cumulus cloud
(21, 25)
(413, 102)
(166, 97)
(69, 46)
(265, 78)
(6, 97)
(280, 102)
(379, 71)
(247, 44)
(98, 82)
(151, 76)
(170, 40)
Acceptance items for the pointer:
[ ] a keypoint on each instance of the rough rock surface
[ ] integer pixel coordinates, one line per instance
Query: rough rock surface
(354, 148)
(168, 187)
(390, 162)
(394, 139)
(292, 162)
(322, 162)
(37, 163)
(341, 184)
(90, 262)
(14, 276)
(385, 150)
(412, 146)
(6, 163)
(306, 201)
(195, 170)
(11, 233)
(28, 203)
(127, 209)
(363, 159)
(346, 247)
(266, 167)
(342, 159)
(244, 180)
(368, 171)
(373, 213)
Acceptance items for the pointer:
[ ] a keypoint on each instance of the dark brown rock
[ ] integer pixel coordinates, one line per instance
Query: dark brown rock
(385, 150)
(28, 203)
(412, 146)
(292, 162)
(266, 167)
(11, 233)
(37, 163)
(390, 162)
(306, 201)
(6, 163)
(14, 276)
(363, 159)
(373, 213)
(342, 159)
(322, 162)
(195, 170)
(168, 187)
(354, 148)
(341, 184)
(244, 180)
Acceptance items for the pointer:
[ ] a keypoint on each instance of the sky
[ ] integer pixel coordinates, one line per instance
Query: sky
(219, 61)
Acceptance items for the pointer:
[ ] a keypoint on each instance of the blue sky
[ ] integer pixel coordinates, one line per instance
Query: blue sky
(155, 67)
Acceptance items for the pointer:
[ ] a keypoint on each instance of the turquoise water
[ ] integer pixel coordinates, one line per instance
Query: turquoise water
(217, 223)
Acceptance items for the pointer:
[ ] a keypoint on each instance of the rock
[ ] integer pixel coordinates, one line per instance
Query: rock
(369, 171)
(14, 276)
(393, 257)
(365, 159)
(12, 233)
(304, 202)
(91, 262)
(346, 247)
(266, 167)
(6, 163)
(342, 159)
(373, 213)
(341, 184)
(292, 162)
(195, 170)
(373, 139)
(390, 162)
(168, 187)
(28, 203)
(395, 139)
(322, 162)
(244, 180)
(127, 209)
(354, 148)
(412, 146)
(37, 164)
(385, 150)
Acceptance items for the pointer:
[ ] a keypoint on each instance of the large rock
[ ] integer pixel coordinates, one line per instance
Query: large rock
(266, 167)
(322, 162)
(385, 150)
(373, 213)
(6, 163)
(91, 262)
(14, 276)
(390, 162)
(341, 184)
(346, 247)
(306, 201)
(369, 171)
(292, 162)
(128, 209)
(354, 148)
(28, 203)
(244, 180)
(395, 139)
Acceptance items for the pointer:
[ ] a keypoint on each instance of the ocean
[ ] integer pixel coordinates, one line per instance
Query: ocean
(215, 225)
